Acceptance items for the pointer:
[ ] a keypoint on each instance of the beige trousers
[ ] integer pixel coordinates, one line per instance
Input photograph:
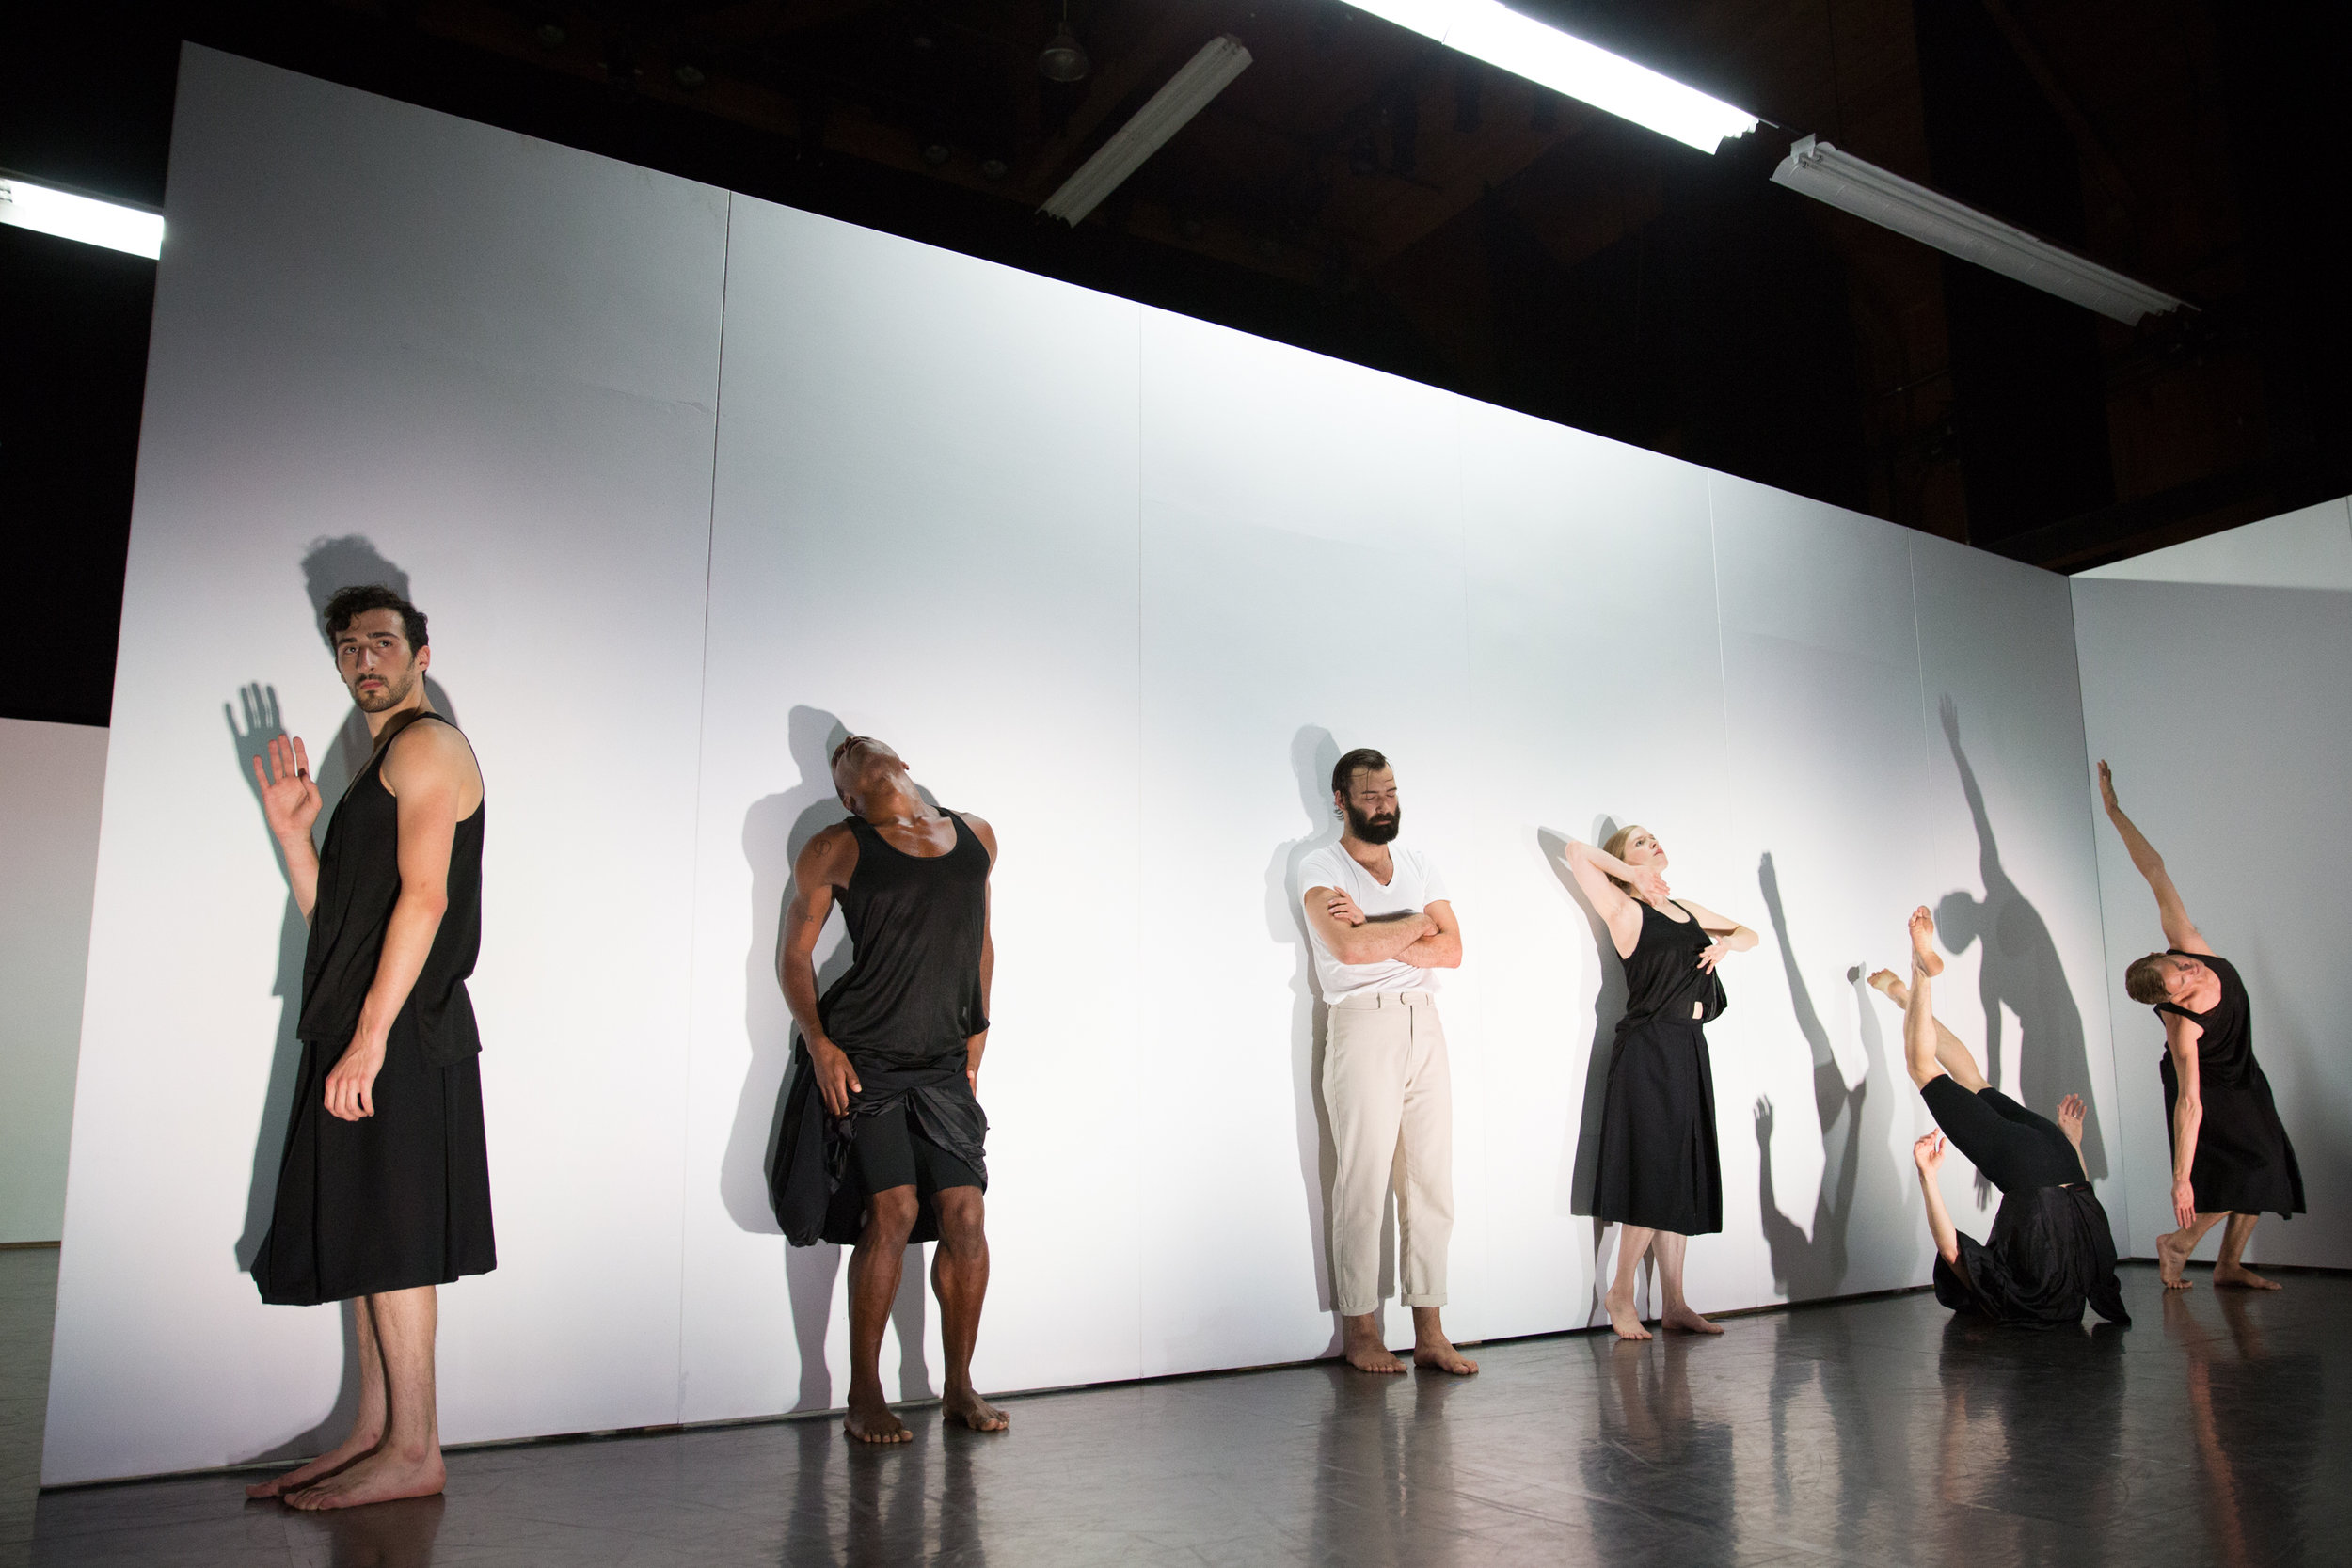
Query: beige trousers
(1390, 1098)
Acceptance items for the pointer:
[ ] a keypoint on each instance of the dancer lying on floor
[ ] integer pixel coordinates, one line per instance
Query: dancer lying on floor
(2050, 1251)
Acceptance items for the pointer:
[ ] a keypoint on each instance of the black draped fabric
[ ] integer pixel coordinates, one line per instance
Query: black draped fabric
(2050, 1253)
(904, 1015)
(2244, 1162)
(814, 1182)
(401, 1199)
(1659, 1164)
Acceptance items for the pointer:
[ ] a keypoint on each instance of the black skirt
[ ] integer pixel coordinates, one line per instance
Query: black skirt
(394, 1200)
(2244, 1163)
(1659, 1165)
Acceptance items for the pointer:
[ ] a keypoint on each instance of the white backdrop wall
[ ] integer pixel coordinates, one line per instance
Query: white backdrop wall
(2216, 678)
(693, 492)
(49, 777)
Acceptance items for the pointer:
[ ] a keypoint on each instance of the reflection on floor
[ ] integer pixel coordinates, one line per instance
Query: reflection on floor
(1876, 1432)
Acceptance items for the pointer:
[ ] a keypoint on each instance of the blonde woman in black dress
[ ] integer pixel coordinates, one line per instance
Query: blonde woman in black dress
(1660, 1175)
(2231, 1157)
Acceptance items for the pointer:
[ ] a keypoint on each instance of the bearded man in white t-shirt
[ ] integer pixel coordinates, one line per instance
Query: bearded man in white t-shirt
(1382, 928)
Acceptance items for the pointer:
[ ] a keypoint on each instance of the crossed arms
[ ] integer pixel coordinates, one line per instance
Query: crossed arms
(1426, 939)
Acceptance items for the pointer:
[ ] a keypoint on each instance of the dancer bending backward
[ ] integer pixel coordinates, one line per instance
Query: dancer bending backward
(1661, 1175)
(2231, 1158)
(2050, 1251)
(882, 1138)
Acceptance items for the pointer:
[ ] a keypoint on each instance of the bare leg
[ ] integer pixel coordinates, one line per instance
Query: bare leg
(1361, 1343)
(959, 1277)
(1632, 1241)
(2232, 1269)
(367, 1427)
(2174, 1246)
(407, 1463)
(875, 1265)
(1431, 1348)
(1669, 1249)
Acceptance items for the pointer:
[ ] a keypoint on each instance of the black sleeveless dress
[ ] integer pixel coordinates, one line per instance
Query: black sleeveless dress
(401, 1199)
(1659, 1166)
(904, 1015)
(2244, 1162)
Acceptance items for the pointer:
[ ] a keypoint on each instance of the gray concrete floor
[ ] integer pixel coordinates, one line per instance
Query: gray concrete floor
(28, 1303)
(1872, 1432)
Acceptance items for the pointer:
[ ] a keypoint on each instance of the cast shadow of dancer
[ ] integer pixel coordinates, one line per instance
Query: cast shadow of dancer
(1807, 1267)
(1608, 1008)
(2020, 967)
(1314, 754)
(327, 564)
(775, 831)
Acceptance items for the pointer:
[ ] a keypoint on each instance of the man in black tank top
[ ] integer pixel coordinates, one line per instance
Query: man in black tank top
(884, 1135)
(383, 1192)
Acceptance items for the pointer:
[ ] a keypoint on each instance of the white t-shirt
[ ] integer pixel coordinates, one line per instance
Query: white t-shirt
(1413, 884)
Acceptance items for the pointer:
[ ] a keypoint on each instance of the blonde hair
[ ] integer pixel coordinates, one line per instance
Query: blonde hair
(1614, 848)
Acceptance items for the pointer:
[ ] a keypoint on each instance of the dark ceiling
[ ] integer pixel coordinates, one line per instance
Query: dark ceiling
(1360, 192)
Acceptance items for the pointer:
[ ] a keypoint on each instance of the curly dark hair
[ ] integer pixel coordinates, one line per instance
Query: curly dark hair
(347, 605)
(1363, 759)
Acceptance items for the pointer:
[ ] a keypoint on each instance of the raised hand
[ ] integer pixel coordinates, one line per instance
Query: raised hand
(1929, 1154)
(290, 796)
(2107, 786)
(1763, 1120)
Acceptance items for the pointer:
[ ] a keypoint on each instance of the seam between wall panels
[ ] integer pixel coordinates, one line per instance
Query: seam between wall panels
(2120, 1177)
(702, 721)
(1135, 1037)
(1723, 698)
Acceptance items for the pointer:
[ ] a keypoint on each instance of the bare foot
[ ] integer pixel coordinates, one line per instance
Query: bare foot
(1923, 955)
(1888, 984)
(2172, 1258)
(350, 1450)
(2238, 1276)
(869, 1421)
(1621, 1316)
(382, 1476)
(1688, 1322)
(966, 1406)
(1362, 1347)
(1441, 1355)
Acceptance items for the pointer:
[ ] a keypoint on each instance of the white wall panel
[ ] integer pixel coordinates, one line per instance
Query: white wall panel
(925, 530)
(1597, 693)
(51, 780)
(1826, 777)
(496, 360)
(2227, 713)
(1302, 595)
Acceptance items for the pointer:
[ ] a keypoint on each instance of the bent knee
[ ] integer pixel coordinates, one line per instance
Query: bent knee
(890, 1213)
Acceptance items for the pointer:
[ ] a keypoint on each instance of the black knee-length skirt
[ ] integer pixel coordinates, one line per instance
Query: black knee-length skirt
(391, 1201)
(1659, 1166)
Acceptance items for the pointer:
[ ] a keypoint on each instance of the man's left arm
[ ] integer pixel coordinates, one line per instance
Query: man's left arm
(428, 772)
(979, 1043)
(1442, 947)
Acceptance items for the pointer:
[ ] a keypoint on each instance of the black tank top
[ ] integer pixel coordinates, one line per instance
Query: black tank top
(358, 885)
(1662, 978)
(2225, 1050)
(913, 993)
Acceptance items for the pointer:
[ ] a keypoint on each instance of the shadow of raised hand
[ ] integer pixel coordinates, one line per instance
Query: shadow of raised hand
(262, 725)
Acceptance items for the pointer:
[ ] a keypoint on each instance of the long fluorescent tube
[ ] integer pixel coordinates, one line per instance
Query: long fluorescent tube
(1185, 94)
(1868, 192)
(1491, 31)
(71, 215)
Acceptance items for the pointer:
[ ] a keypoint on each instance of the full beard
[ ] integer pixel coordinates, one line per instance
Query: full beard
(1373, 830)
(389, 695)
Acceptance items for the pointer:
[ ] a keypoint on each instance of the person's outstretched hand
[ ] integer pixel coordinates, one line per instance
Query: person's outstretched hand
(2106, 787)
(1928, 1153)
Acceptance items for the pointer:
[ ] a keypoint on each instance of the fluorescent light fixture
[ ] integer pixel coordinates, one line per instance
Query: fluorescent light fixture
(1185, 94)
(1891, 202)
(71, 215)
(1490, 31)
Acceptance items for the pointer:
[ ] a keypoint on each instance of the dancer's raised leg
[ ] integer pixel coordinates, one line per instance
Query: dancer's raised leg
(1632, 1241)
(367, 1426)
(407, 1463)
(1669, 1248)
